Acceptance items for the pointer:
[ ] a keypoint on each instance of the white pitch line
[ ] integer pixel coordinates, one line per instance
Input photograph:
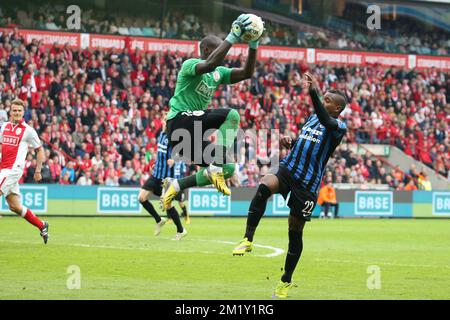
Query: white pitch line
(276, 252)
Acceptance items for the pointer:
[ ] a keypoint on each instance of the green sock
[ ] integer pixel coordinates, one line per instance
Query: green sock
(202, 180)
(187, 182)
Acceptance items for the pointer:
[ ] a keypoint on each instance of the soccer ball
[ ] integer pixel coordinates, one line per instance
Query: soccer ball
(257, 28)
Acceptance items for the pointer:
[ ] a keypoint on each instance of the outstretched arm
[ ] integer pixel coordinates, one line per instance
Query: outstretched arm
(324, 118)
(239, 74)
(214, 60)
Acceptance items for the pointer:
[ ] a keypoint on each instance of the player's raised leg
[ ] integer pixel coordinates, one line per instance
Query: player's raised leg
(15, 206)
(200, 179)
(213, 157)
(295, 247)
(221, 168)
(268, 186)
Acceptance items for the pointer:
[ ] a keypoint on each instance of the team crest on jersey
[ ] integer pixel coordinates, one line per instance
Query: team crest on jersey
(216, 76)
(18, 131)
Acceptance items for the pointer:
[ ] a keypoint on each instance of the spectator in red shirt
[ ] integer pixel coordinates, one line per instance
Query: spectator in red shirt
(42, 80)
(29, 93)
(137, 89)
(140, 74)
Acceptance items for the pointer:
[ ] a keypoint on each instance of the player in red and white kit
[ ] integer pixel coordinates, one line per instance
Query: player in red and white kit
(16, 137)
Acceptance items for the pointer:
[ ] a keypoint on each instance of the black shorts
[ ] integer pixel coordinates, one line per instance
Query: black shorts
(154, 185)
(301, 202)
(206, 121)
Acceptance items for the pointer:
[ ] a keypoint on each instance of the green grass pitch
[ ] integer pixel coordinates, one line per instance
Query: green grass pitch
(119, 258)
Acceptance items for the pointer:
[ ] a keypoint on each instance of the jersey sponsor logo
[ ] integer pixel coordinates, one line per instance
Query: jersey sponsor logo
(310, 138)
(316, 132)
(374, 203)
(33, 197)
(11, 141)
(441, 203)
(208, 201)
(204, 90)
(118, 200)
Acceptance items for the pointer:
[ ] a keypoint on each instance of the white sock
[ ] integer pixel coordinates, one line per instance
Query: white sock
(176, 185)
(213, 168)
(24, 211)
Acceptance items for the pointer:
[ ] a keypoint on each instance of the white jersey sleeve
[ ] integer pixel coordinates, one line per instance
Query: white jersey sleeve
(1, 132)
(33, 139)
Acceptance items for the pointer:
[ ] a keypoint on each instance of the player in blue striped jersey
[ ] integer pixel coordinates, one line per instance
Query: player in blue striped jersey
(300, 174)
(179, 172)
(179, 169)
(161, 170)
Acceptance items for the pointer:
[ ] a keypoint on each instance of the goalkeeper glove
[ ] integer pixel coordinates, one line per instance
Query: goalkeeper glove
(238, 27)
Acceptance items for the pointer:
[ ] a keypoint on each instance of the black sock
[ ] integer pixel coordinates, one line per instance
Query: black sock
(172, 213)
(150, 209)
(187, 182)
(184, 214)
(256, 210)
(293, 255)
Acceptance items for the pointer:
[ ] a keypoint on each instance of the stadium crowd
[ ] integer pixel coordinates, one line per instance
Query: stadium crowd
(99, 112)
(405, 37)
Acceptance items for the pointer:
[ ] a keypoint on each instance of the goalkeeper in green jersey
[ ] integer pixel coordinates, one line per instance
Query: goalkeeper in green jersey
(190, 122)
